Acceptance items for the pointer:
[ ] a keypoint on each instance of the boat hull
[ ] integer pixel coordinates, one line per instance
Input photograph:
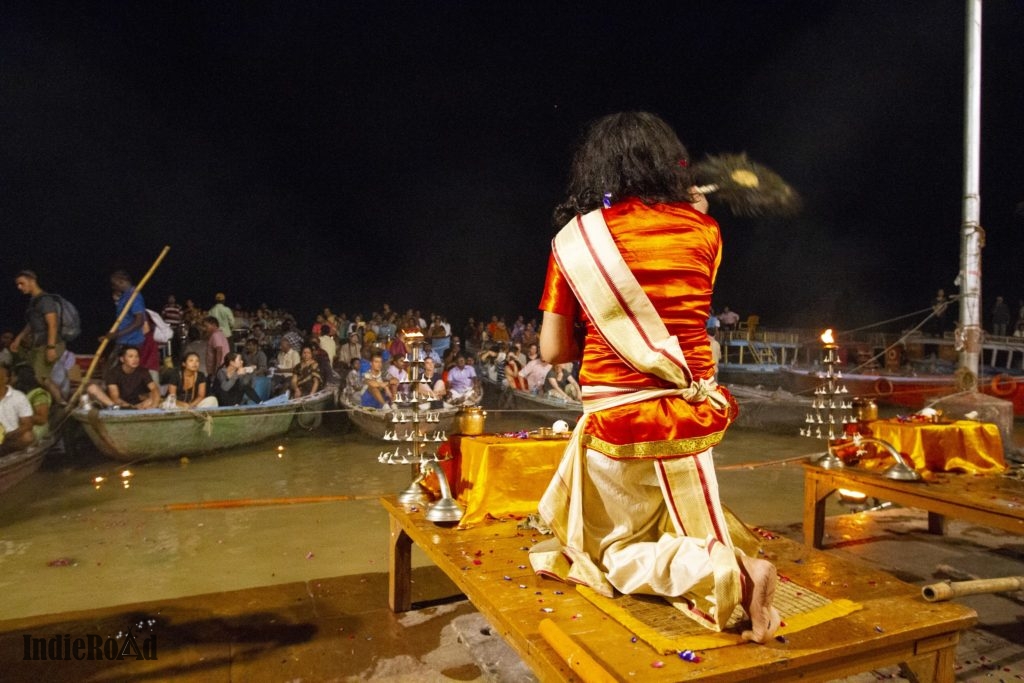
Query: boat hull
(20, 464)
(376, 423)
(906, 391)
(137, 435)
(778, 411)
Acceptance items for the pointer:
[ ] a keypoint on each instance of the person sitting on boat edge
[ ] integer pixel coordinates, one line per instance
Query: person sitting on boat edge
(377, 393)
(287, 360)
(233, 383)
(128, 384)
(536, 370)
(253, 355)
(561, 384)
(463, 383)
(327, 373)
(307, 378)
(187, 385)
(15, 416)
(353, 382)
(38, 397)
(431, 386)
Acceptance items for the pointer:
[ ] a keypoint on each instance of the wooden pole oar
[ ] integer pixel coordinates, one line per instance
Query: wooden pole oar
(258, 502)
(947, 590)
(113, 328)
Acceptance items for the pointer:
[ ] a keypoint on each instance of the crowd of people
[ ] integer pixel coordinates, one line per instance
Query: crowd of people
(225, 355)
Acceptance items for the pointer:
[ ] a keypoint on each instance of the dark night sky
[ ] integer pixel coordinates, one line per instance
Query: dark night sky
(346, 154)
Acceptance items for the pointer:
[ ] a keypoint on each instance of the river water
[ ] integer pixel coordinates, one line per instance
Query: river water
(297, 508)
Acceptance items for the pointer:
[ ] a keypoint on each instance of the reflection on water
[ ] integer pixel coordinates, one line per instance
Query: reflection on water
(297, 508)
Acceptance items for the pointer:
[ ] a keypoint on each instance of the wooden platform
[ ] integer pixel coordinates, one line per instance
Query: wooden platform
(990, 500)
(489, 564)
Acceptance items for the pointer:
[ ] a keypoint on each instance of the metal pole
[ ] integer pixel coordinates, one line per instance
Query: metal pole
(972, 237)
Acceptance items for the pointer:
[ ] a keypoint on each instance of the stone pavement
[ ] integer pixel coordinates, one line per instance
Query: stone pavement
(340, 629)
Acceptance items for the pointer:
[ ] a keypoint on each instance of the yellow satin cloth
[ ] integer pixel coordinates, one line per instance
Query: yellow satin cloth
(503, 476)
(650, 240)
(961, 446)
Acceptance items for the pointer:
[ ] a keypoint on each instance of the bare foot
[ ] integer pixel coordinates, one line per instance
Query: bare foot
(759, 578)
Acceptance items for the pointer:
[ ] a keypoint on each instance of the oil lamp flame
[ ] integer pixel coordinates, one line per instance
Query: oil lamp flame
(827, 338)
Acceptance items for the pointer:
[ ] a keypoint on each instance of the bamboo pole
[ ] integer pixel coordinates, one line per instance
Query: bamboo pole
(947, 590)
(573, 654)
(113, 328)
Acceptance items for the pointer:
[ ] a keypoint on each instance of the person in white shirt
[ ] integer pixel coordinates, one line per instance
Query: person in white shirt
(15, 416)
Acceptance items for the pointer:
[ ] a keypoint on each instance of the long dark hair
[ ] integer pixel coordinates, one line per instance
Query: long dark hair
(629, 154)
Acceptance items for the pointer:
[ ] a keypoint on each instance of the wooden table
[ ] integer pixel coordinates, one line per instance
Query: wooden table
(990, 500)
(489, 564)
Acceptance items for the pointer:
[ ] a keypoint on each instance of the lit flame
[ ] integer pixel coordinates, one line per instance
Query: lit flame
(126, 473)
(827, 338)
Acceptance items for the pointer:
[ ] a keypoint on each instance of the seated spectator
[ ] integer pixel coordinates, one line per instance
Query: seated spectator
(513, 373)
(530, 335)
(127, 384)
(38, 397)
(378, 393)
(536, 370)
(463, 383)
(187, 385)
(488, 359)
(561, 384)
(351, 350)
(438, 335)
(322, 359)
(233, 383)
(15, 416)
(254, 357)
(326, 342)
(287, 360)
(431, 386)
(307, 378)
(353, 382)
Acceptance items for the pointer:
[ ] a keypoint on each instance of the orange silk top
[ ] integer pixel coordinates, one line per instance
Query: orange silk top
(673, 251)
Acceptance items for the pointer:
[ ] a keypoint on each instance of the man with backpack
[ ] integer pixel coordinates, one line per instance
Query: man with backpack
(40, 342)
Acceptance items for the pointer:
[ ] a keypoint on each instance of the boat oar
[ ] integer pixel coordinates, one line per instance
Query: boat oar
(947, 590)
(113, 328)
(258, 502)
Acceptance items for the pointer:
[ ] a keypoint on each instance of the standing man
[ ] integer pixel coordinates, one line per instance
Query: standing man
(41, 335)
(1000, 317)
(174, 315)
(217, 347)
(130, 330)
(225, 318)
(634, 504)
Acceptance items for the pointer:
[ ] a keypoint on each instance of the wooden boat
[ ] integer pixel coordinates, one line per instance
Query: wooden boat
(133, 435)
(753, 356)
(400, 420)
(537, 404)
(777, 411)
(904, 390)
(20, 464)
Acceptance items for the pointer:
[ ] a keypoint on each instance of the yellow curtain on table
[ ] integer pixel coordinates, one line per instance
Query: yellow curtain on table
(960, 446)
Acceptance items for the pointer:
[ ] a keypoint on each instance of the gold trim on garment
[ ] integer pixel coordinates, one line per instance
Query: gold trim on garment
(654, 449)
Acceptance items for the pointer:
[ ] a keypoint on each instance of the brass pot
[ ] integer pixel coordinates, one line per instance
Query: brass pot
(470, 420)
(865, 409)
